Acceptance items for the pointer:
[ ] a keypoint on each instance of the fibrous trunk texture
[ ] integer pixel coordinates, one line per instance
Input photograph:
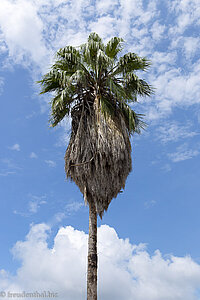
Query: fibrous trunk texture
(98, 157)
(92, 254)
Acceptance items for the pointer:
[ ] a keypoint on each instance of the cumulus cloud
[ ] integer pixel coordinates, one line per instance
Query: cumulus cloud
(126, 271)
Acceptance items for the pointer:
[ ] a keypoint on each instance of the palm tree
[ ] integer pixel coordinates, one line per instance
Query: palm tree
(96, 88)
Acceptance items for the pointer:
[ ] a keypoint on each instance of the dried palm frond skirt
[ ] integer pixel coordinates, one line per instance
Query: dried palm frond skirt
(98, 157)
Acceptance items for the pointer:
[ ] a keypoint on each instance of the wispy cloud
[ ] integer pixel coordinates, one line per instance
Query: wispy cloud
(50, 163)
(149, 204)
(29, 116)
(68, 210)
(8, 167)
(174, 131)
(9, 163)
(73, 207)
(7, 173)
(183, 153)
(15, 147)
(166, 168)
(34, 205)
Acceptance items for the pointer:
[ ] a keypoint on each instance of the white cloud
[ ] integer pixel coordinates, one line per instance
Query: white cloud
(191, 45)
(188, 45)
(41, 27)
(35, 203)
(106, 6)
(139, 32)
(126, 271)
(1, 83)
(74, 206)
(175, 88)
(68, 210)
(15, 147)
(8, 167)
(157, 31)
(173, 131)
(166, 168)
(22, 30)
(149, 204)
(33, 155)
(187, 12)
(101, 24)
(7, 173)
(183, 153)
(50, 163)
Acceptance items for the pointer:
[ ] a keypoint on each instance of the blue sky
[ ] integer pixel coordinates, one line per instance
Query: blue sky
(149, 237)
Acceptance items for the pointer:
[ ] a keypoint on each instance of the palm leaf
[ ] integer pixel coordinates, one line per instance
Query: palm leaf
(59, 109)
(133, 120)
(131, 62)
(92, 69)
(113, 47)
(135, 86)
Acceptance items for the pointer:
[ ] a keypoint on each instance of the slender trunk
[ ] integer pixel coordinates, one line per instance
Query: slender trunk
(92, 254)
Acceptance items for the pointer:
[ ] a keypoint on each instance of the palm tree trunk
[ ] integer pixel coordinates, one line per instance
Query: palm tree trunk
(92, 254)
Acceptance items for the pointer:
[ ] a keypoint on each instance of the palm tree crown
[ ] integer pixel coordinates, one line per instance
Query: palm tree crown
(96, 88)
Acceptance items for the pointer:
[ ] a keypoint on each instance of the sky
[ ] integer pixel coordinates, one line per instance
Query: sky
(148, 240)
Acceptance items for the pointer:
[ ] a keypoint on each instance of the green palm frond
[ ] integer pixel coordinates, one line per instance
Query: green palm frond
(115, 89)
(50, 82)
(132, 84)
(90, 49)
(95, 37)
(131, 62)
(113, 47)
(107, 107)
(68, 53)
(102, 60)
(133, 120)
(60, 107)
(79, 74)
